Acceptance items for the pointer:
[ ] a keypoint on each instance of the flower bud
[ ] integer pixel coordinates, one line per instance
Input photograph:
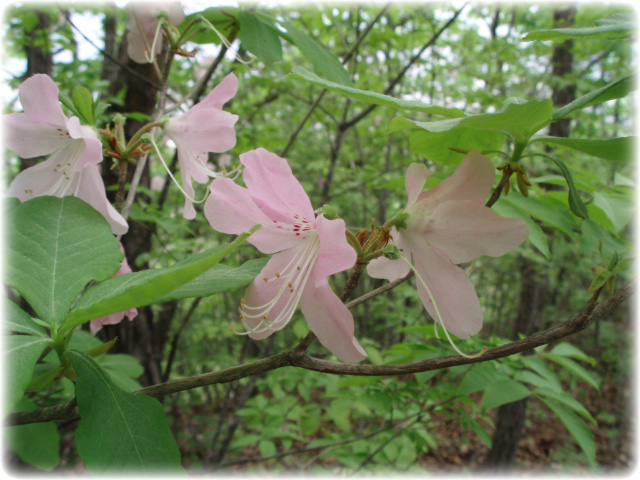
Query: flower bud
(392, 252)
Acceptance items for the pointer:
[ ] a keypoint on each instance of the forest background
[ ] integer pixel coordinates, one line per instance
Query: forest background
(561, 407)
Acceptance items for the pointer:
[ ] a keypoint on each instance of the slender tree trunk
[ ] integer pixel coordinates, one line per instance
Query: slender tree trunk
(511, 416)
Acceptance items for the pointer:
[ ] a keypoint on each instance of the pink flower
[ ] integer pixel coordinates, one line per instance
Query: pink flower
(309, 249)
(74, 149)
(142, 26)
(448, 225)
(96, 324)
(204, 128)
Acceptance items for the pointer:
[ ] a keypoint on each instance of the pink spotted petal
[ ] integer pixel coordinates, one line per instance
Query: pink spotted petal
(261, 293)
(415, 177)
(93, 147)
(230, 209)
(451, 288)
(329, 319)
(471, 181)
(29, 139)
(467, 230)
(389, 269)
(274, 188)
(39, 99)
(336, 255)
(221, 94)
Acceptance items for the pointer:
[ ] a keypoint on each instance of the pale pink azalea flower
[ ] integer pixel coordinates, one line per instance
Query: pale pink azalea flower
(204, 128)
(449, 225)
(143, 24)
(74, 149)
(309, 249)
(115, 318)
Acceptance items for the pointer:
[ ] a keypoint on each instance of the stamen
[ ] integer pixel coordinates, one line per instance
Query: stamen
(226, 42)
(435, 306)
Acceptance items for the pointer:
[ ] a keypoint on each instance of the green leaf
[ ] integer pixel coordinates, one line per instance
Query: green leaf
(617, 89)
(567, 400)
(611, 30)
(503, 391)
(21, 352)
(300, 73)
(120, 432)
(324, 62)
(620, 209)
(56, 246)
(259, 37)
(310, 421)
(339, 411)
(559, 219)
(479, 377)
(536, 236)
(542, 368)
(576, 427)
(576, 204)
(220, 278)
(527, 376)
(565, 349)
(479, 431)
(222, 18)
(615, 149)
(22, 438)
(599, 280)
(83, 102)
(267, 448)
(120, 293)
(17, 320)
(575, 368)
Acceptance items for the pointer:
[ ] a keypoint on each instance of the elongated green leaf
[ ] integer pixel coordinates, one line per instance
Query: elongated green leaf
(616, 149)
(617, 89)
(527, 376)
(575, 368)
(576, 204)
(567, 400)
(300, 73)
(55, 247)
(222, 18)
(324, 62)
(608, 30)
(17, 320)
(120, 293)
(120, 432)
(22, 440)
(503, 391)
(479, 377)
(576, 427)
(83, 101)
(542, 368)
(619, 209)
(559, 219)
(216, 280)
(21, 352)
(259, 38)
(536, 235)
(565, 349)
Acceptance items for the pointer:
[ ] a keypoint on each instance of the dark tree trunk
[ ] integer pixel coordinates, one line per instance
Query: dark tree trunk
(511, 416)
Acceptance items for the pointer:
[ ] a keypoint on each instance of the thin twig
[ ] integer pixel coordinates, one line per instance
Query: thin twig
(297, 358)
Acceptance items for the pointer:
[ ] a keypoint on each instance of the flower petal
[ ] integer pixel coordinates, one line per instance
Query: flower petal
(91, 190)
(39, 99)
(415, 177)
(270, 295)
(221, 94)
(451, 288)
(331, 322)
(274, 188)
(202, 131)
(389, 269)
(471, 181)
(467, 230)
(230, 209)
(29, 139)
(336, 255)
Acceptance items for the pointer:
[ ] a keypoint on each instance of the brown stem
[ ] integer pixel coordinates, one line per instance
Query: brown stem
(506, 175)
(296, 357)
(122, 183)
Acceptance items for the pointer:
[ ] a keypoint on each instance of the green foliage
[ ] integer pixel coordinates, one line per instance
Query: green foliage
(124, 432)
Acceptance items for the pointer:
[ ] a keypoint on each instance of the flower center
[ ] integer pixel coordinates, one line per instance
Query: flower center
(274, 314)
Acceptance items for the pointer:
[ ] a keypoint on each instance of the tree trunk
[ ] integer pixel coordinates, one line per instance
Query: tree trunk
(511, 416)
